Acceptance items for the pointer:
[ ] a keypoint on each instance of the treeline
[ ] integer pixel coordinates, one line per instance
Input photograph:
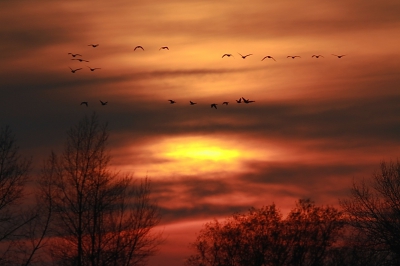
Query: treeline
(364, 231)
(77, 211)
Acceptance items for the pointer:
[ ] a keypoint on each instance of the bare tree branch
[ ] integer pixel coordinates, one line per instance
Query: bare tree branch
(100, 217)
(373, 208)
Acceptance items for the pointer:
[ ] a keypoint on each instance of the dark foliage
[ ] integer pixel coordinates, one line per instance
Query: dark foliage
(263, 237)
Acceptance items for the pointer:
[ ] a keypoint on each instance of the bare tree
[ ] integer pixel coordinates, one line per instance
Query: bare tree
(13, 177)
(373, 208)
(99, 217)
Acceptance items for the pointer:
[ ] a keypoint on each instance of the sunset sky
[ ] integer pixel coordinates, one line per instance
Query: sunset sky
(316, 123)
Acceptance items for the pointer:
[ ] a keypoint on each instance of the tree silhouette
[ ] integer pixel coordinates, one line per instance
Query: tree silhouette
(262, 237)
(244, 239)
(311, 232)
(98, 217)
(373, 208)
(13, 178)
(353, 249)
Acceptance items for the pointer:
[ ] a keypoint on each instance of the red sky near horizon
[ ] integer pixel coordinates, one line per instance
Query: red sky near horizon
(316, 123)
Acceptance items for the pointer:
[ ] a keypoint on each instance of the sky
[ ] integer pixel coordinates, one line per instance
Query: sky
(316, 124)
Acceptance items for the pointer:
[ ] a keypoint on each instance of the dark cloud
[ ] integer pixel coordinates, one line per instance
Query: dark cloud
(200, 211)
(310, 175)
(198, 187)
(196, 192)
(269, 181)
(34, 28)
(350, 121)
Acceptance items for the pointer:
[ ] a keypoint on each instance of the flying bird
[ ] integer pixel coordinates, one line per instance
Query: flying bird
(192, 103)
(339, 56)
(103, 103)
(244, 56)
(73, 55)
(172, 101)
(81, 60)
(138, 47)
(317, 56)
(85, 103)
(93, 45)
(93, 69)
(247, 100)
(226, 103)
(293, 56)
(74, 70)
(268, 56)
(214, 105)
(228, 55)
(239, 101)
(163, 48)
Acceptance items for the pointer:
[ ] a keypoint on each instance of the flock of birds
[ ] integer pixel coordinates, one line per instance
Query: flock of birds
(289, 56)
(81, 60)
(213, 105)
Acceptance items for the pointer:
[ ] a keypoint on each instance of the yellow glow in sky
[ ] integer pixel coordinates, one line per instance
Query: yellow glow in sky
(201, 151)
(204, 155)
(195, 155)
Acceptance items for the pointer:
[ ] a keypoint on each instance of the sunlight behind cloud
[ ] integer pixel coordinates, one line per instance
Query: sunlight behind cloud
(199, 154)
(202, 151)
(193, 155)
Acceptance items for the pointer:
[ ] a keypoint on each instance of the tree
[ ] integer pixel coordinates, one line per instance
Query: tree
(353, 250)
(312, 231)
(243, 239)
(14, 172)
(373, 208)
(98, 217)
(261, 237)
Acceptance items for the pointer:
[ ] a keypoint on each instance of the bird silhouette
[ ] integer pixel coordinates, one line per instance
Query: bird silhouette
(164, 48)
(138, 47)
(228, 55)
(73, 55)
(268, 56)
(103, 103)
(192, 103)
(226, 103)
(85, 103)
(172, 101)
(214, 105)
(74, 70)
(93, 45)
(93, 69)
(247, 100)
(81, 60)
(239, 101)
(293, 56)
(339, 56)
(317, 56)
(244, 56)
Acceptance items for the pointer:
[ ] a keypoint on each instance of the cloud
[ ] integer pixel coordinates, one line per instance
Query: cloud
(265, 182)
(355, 120)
